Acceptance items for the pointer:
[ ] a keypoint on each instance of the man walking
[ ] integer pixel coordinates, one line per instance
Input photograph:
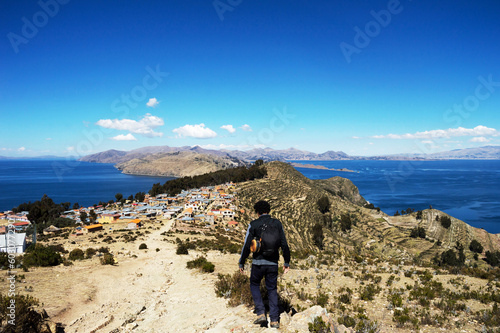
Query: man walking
(265, 260)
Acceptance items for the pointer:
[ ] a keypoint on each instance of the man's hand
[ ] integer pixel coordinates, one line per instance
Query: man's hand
(242, 270)
(285, 269)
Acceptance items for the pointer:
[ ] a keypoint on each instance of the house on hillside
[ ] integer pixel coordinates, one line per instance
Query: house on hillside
(92, 228)
(134, 224)
(108, 218)
(13, 242)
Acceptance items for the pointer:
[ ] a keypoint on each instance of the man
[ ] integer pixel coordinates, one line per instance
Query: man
(265, 265)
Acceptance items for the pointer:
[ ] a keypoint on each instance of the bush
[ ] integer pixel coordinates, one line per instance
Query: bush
(493, 258)
(345, 222)
(445, 221)
(76, 254)
(318, 236)
(143, 246)
(90, 252)
(347, 321)
(236, 288)
(202, 263)
(103, 249)
(475, 246)
(107, 259)
(323, 204)
(368, 293)
(26, 318)
(41, 255)
(182, 248)
(321, 299)
(318, 326)
(417, 232)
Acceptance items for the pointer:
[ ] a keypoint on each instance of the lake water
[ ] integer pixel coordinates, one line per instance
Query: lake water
(468, 190)
(66, 181)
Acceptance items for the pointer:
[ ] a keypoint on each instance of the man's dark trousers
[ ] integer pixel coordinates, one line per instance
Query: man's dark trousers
(270, 272)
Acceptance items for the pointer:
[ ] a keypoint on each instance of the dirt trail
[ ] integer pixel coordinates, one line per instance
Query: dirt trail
(152, 293)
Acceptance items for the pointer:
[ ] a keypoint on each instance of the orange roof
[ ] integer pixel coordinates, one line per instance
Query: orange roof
(93, 226)
(135, 221)
(189, 210)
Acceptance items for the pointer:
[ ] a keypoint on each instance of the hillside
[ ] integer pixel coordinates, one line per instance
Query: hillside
(370, 277)
(177, 164)
(294, 200)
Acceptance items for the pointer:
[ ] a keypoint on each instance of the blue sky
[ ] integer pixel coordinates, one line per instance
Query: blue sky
(378, 77)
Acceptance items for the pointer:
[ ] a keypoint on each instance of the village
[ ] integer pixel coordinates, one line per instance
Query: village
(205, 207)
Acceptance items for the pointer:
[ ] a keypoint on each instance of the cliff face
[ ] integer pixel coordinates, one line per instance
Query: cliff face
(293, 199)
(178, 164)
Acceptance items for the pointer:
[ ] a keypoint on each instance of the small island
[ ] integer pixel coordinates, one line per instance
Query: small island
(320, 167)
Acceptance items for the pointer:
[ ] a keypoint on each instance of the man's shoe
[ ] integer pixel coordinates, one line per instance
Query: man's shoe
(260, 320)
(275, 324)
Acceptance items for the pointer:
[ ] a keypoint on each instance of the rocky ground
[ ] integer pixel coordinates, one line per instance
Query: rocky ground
(151, 290)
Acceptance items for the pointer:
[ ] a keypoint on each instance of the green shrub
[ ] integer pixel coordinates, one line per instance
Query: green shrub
(345, 222)
(235, 287)
(103, 249)
(202, 264)
(41, 255)
(143, 246)
(318, 326)
(368, 292)
(321, 299)
(417, 232)
(107, 259)
(475, 246)
(76, 254)
(347, 321)
(445, 221)
(26, 318)
(182, 248)
(90, 252)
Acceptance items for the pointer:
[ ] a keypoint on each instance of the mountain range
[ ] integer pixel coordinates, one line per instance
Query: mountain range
(269, 154)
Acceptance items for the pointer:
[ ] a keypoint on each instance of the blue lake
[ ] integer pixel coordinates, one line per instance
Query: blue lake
(66, 181)
(468, 190)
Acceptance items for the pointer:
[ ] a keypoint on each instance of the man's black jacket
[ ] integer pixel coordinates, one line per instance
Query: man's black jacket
(253, 232)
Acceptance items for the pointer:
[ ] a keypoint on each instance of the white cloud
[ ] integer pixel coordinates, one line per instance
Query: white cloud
(428, 142)
(121, 137)
(480, 139)
(48, 139)
(153, 102)
(5, 149)
(71, 148)
(246, 128)
(451, 132)
(196, 131)
(144, 127)
(21, 149)
(228, 128)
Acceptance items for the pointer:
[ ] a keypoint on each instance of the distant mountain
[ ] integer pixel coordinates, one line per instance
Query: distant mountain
(269, 154)
(119, 156)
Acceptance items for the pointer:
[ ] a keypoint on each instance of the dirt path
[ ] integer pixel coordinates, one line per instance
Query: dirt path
(152, 293)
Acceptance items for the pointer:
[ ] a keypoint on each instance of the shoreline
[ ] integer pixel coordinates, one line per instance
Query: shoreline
(319, 167)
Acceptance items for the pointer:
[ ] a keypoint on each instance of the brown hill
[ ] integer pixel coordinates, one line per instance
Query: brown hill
(177, 164)
(294, 197)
